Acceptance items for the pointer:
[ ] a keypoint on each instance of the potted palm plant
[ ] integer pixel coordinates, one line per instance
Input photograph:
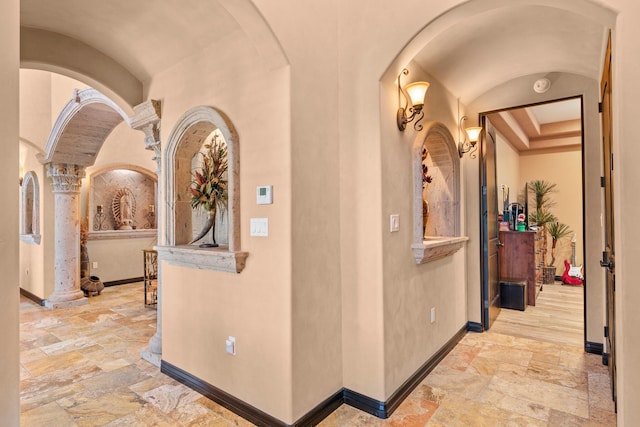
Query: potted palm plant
(209, 186)
(541, 216)
(557, 231)
(546, 221)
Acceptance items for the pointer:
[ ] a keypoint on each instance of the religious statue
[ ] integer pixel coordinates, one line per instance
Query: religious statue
(124, 209)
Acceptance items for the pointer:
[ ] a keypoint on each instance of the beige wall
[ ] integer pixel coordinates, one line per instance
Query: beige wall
(9, 129)
(410, 290)
(565, 170)
(626, 91)
(201, 308)
(508, 170)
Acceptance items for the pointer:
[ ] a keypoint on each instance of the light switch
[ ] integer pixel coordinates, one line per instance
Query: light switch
(259, 227)
(264, 194)
(394, 221)
(230, 344)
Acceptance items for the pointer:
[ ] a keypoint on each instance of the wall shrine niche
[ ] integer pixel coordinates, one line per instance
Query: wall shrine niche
(122, 201)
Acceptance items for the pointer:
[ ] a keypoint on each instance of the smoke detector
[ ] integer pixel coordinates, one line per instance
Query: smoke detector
(542, 85)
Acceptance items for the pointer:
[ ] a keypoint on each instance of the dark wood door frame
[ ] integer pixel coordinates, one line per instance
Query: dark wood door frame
(608, 255)
(490, 264)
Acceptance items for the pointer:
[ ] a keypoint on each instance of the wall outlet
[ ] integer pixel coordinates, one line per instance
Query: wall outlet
(231, 345)
(433, 314)
(95, 264)
(394, 223)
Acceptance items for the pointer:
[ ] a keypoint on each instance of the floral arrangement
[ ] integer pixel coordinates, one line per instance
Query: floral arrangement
(209, 187)
(426, 179)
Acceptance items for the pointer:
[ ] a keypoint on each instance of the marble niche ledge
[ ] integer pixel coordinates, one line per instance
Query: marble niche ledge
(219, 259)
(122, 234)
(437, 247)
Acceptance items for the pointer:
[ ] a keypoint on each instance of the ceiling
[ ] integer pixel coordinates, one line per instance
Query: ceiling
(556, 125)
(145, 37)
(497, 42)
(489, 48)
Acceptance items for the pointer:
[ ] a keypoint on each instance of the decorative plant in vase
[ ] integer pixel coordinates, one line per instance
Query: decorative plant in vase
(426, 179)
(548, 224)
(557, 231)
(209, 186)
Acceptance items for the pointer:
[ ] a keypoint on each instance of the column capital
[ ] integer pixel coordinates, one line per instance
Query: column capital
(147, 119)
(66, 177)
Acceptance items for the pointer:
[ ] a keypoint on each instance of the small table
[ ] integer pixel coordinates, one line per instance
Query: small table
(150, 278)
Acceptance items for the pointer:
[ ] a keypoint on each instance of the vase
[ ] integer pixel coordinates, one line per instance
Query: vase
(425, 216)
(209, 225)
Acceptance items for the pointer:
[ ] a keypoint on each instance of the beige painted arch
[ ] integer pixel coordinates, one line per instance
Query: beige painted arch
(472, 10)
(49, 51)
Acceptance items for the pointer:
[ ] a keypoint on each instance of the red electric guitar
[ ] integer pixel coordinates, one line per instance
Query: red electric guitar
(572, 273)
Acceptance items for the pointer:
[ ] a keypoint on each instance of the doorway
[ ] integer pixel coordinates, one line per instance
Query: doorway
(537, 143)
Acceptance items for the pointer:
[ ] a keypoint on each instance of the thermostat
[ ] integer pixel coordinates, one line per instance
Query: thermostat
(264, 194)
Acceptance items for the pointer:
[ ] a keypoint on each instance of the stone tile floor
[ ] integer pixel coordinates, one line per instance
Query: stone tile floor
(82, 367)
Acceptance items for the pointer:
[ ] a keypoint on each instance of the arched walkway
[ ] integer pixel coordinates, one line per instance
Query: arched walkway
(77, 136)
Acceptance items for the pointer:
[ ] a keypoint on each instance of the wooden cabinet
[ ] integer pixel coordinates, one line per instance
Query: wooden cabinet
(518, 260)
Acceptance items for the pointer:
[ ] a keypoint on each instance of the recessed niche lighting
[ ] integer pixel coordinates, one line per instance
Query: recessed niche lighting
(542, 85)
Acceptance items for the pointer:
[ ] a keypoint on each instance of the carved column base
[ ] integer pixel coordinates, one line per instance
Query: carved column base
(153, 353)
(66, 300)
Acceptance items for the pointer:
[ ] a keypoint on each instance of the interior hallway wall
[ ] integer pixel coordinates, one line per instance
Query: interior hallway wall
(200, 307)
(508, 170)
(9, 262)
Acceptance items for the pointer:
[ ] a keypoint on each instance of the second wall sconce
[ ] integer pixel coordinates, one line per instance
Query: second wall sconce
(408, 113)
(471, 136)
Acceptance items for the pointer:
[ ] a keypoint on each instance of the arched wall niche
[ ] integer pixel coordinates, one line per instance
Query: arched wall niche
(30, 203)
(185, 141)
(436, 229)
(104, 184)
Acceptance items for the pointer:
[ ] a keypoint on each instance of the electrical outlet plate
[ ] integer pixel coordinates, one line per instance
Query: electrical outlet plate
(394, 223)
(230, 344)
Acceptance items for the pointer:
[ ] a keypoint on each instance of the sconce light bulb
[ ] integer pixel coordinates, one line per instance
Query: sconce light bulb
(473, 133)
(417, 92)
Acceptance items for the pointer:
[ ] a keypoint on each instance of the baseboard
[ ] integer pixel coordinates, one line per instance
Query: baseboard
(221, 397)
(593, 347)
(474, 327)
(605, 359)
(25, 293)
(405, 389)
(123, 281)
(322, 410)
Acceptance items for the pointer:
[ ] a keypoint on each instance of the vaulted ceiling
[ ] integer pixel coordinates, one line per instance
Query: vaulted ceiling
(145, 37)
(499, 42)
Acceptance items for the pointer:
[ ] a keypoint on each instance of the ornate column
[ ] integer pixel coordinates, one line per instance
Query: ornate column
(147, 120)
(66, 187)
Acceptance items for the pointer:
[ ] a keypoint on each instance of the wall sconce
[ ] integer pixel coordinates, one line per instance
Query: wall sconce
(471, 136)
(416, 91)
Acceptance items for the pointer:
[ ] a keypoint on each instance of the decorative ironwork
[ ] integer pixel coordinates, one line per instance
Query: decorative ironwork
(98, 219)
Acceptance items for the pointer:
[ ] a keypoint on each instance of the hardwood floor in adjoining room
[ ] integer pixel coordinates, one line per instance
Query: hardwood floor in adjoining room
(557, 317)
